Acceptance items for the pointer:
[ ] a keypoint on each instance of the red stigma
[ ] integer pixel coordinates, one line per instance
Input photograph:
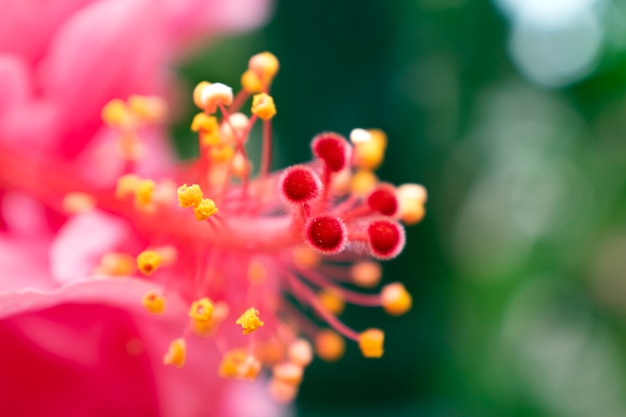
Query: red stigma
(333, 149)
(386, 238)
(327, 234)
(383, 200)
(299, 184)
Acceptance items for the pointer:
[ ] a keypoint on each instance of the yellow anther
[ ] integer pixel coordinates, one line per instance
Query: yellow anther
(265, 64)
(341, 182)
(126, 185)
(366, 274)
(201, 310)
(263, 106)
(144, 193)
(363, 182)
(202, 122)
(220, 154)
(148, 109)
(371, 343)
(117, 265)
(189, 195)
(411, 199)
(240, 165)
(78, 202)
(238, 364)
(395, 299)
(305, 257)
(214, 95)
(256, 272)
(289, 373)
(369, 154)
(332, 300)
(148, 261)
(251, 82)
(360, 136)
(115, 114)
(208, 327)
(197, 93)
(233, 130)
(176, 353)
(281, 391)
(301, 352)
(154, 303)
(205, 209)
(329, 345)
(249, 321)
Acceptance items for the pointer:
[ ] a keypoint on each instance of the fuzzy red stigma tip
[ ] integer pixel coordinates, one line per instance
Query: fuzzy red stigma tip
(327, 234)
(383, 200)
(299, 184)
(386, 238)
(333, 149)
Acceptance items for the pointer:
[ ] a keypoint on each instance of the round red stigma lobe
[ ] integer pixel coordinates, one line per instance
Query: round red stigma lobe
(386, 239)
(383, 200)
(299, 184)
(333, 149)
(327, 234)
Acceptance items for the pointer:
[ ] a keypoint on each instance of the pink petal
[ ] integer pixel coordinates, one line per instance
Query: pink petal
(14, 82)
(194, 18)
(74, 360)
(107, 50)
(82, 241)
(22, 263)
(27, 25)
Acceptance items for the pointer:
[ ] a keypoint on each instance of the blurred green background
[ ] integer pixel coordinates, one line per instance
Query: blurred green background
(513, 114)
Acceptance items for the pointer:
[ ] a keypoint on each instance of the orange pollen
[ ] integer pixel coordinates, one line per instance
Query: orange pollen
(238, 364)
(371, 343)
(154, 303)
(148, 261)
(176, 353)
(329, 345)
(201, 310)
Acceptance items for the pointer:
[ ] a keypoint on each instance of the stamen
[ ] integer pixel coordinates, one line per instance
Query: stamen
(148, 109)
(366, 274)
(329, 345)
(78, 202)
(332, 300)
(369, 154)
(148, 261)
(395, 299)
(115, 114)
(411, 199)
(154, 303)
(301, 352)
(176, 354)
(263, 106)
(281, 391)
(233, 129)
(197, 93)
(189, 196)
(363, 182)
(360, 136)
(205, 209)
(238, 364)
(305, 257)
(265, 65)
(117, 265)
(214, 95)
(126, 186)
(249, 321)
(371, 343)
(251, 82)
(144, 193)
(201, 310)
(289, 373)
